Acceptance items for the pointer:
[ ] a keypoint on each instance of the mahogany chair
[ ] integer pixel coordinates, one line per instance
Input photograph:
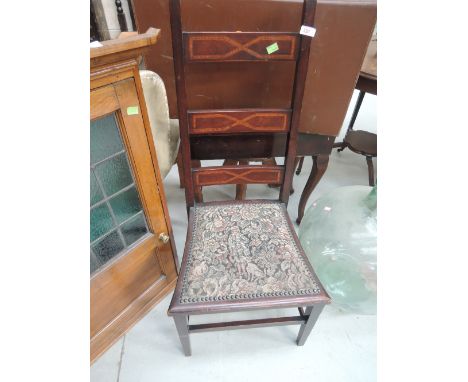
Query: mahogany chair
(244, 254)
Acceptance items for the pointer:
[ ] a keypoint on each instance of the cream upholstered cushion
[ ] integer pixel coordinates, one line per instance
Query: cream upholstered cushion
(174, 139)
(165, 131)
(242, 250)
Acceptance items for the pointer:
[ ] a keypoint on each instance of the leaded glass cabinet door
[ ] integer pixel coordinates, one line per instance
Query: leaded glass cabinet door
(132, 260)
(117, 219)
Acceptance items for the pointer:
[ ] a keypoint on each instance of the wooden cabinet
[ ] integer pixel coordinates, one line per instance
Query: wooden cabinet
(133, 257)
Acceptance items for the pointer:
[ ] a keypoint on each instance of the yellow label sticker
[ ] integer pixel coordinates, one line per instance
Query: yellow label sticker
(132, 110)
(272, 48)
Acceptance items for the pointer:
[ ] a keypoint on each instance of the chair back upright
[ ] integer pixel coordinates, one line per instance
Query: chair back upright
(194, 48)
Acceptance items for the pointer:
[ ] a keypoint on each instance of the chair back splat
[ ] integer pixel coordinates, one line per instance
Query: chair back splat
(258, 47)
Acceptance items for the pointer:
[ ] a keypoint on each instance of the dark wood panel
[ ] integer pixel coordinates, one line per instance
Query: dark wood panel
(368, 85)
(238, 121)
(208, 176)
(238, 146)
(239, 46)
(256, 146)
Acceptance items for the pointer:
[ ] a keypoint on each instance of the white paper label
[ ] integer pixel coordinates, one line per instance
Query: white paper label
(308, 31)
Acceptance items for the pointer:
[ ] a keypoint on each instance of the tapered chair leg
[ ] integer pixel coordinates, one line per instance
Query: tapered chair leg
(181, 323)
(313, 312)
(342, 145)
(370, 167)
(360, 98)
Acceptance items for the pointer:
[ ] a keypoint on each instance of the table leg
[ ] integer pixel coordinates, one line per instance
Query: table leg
(370, 167)
(300, 161)
(342, 145)
(318, 169)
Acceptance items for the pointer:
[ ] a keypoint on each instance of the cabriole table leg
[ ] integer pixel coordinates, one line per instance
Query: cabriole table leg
(318, 169)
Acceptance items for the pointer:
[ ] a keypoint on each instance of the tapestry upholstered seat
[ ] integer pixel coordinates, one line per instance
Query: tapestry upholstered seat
(243, 250)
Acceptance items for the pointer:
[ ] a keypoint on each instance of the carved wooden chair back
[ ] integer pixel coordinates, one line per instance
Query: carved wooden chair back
(202, 47)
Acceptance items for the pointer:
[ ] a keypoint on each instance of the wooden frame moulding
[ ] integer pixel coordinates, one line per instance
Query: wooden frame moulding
(131, 47)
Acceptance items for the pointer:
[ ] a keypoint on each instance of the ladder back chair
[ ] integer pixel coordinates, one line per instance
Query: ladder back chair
(244, 254)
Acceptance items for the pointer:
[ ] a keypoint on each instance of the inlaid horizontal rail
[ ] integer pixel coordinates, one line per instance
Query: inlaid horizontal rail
(240, 46)
(224, 121)
(209, 176)
(259, 323)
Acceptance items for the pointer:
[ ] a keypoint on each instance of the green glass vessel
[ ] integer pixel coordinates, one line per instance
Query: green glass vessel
(339, 235)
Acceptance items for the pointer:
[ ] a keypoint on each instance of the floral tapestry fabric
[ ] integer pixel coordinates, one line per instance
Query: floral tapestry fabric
(244, 250)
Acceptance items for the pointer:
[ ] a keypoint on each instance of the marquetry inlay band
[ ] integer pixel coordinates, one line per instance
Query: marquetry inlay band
(239, 46)
(219, 122)
(209, 176)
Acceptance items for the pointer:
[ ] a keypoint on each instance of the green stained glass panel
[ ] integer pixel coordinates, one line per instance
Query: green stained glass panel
(117, 218)
(134, 229)
(101, 221)
(108, 247)
(105, 138)
(114, 174)
(126, 204)
(95, 191)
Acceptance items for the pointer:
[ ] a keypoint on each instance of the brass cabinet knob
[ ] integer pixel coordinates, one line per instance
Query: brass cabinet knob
(164, 237)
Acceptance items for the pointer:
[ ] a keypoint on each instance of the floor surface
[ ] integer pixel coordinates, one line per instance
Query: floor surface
(341, 347)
